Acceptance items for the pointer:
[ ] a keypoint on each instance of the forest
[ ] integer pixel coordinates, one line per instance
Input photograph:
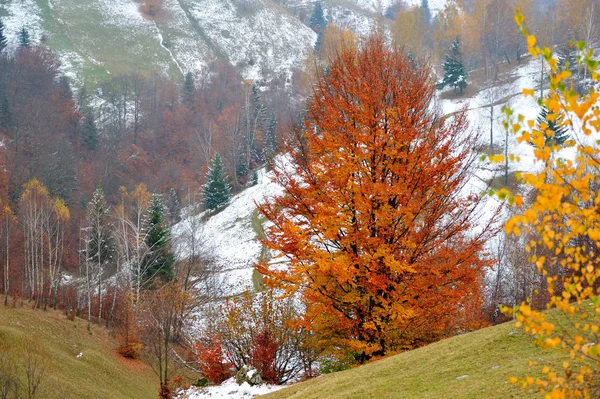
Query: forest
(378, 224)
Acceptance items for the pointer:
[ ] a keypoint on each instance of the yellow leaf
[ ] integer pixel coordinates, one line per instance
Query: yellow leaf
(531, 40)
(528, 92)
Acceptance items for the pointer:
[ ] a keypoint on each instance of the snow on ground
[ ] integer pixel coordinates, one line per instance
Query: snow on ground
(230, 235)
(255, 36)
(229, 390)
(21, 14)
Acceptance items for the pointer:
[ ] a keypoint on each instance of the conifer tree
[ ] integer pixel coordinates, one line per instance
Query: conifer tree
(24, 40)
(555, 125)
(64, 88)
(454, 69)
(5, 112)
(217, 191)
(89, 129)
(271, 146)
(426, 12)
(318, 23)
(173, 207)
(3, 39)
(158, 260)
(100, 243)
(189, 91)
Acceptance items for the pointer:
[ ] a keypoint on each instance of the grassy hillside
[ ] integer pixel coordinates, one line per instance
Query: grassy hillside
(99, 373)
(474, 365)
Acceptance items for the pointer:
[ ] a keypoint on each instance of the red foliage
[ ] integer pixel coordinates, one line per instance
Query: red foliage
(213, 364)
(262, 356)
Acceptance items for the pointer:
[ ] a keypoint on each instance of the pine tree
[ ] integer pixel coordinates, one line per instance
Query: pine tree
(5, 112)
(24, 40)
(158, 260)
(426, 12)
(89, 129)
(101, 245)
(173, 206)
(318, 23)
(3, 39)
(557, 126)
(271, 146)
(83, 98)
(64, 88)
(454, 70)
(188, 93)
(258, 115)
(216, 189)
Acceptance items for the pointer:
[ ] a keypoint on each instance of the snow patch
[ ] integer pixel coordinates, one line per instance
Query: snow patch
(229, 390)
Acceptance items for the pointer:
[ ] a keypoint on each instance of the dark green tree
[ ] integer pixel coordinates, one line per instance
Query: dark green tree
(100, 246)
(3, 39)
(157, 263)
(188, 92)
(217, 191)
(318, 23)
(555, 125)
(173, 207)
(24, 39)
(89, 130)
(271, 145)
(5, 112)
(455, 74)
(426, 12)
(64, 88)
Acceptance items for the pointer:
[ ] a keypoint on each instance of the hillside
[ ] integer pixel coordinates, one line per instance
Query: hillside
(474, 365)
(78, 365)
(262, 39)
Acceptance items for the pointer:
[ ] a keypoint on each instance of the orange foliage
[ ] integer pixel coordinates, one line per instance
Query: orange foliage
(374, 221)
(212, 362)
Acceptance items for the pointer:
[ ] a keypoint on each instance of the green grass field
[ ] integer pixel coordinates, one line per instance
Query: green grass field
(474, 365)
(100, 372)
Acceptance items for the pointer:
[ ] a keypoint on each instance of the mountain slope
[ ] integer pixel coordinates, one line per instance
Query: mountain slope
(474, 365)
(79, 365)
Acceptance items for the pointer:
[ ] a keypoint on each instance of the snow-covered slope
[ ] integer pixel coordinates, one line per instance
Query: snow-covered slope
(263, 39)
(230, 237)
(232, 234)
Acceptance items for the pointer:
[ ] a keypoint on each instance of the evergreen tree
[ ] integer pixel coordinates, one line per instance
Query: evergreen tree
(89, 129)
(83, 98)
(557, 126)
(271, 146)
(188, 93)
(318, 23)
(5, 112)
(158, 260)
(24, 40)
(173, 206)
(258, 117)
(216, 189)
(3, 39)
(426, 12)
(454, 70)
(101, 244)
(64, 88)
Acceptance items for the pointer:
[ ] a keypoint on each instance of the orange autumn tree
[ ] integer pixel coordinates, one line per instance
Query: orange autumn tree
(564, 218)
(374, 220)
